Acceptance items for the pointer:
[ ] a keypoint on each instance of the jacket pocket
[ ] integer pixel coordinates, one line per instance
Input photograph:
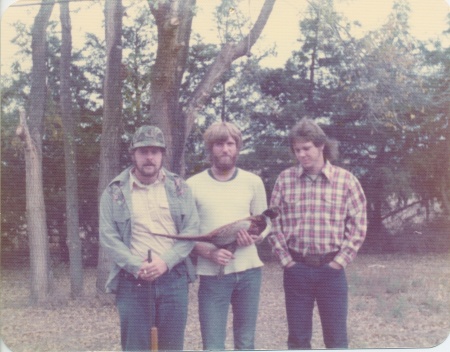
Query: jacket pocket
(122, 219)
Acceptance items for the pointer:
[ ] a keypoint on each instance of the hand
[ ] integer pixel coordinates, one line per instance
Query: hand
(151, 271)
(221, 256)
(335, 265)
(243, 238)
(257, 239)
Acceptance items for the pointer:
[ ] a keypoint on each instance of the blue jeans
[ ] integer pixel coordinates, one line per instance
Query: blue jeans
(302, 286)
(166, 299)
(214, 297)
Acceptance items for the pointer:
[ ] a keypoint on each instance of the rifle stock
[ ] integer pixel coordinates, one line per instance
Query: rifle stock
(153, 329)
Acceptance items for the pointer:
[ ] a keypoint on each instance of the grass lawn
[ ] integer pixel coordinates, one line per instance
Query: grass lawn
(395, 301)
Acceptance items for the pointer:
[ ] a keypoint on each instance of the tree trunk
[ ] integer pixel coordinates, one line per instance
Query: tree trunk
(174, 23)
(36, 218)
(31, 133)
(112, 116)
(68, 122)
(174, 20)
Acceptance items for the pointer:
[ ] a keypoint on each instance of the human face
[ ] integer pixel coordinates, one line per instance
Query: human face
(224, 154)
(147, 163)
(309, 156)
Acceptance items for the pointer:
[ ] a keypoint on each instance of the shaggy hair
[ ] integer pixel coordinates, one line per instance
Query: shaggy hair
(308, 130)
(219, 132)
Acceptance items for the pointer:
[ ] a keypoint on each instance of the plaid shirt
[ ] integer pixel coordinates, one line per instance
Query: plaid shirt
(318, 217)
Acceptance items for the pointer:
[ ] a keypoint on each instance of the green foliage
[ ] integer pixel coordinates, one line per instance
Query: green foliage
(13, 164)
(12, 185)
(384, 97)
(381, 97)
(230, 21)
(139, 48)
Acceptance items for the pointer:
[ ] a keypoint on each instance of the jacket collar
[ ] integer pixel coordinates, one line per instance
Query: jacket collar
(124, 176)
(135, 182)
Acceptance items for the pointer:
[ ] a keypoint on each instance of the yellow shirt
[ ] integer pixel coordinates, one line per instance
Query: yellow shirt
(220, 203)
(151, 214)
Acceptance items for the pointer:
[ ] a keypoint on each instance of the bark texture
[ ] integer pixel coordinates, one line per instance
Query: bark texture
(70, 156)
(31, 133)
(112, 116)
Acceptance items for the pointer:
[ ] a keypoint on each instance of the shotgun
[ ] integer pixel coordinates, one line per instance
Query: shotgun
(153, 329)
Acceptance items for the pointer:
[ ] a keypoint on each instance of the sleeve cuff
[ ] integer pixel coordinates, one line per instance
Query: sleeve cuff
(340, 260)
(171, 259)
(285, 260)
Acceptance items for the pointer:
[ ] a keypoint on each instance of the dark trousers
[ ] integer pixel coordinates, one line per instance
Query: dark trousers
(166, 298)
(303, 285)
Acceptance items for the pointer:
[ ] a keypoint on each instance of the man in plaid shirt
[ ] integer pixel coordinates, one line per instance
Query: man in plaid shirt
(321, 227)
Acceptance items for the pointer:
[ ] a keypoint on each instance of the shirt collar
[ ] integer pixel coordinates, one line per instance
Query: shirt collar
(210, 173)
(326, 171)
(138, 184)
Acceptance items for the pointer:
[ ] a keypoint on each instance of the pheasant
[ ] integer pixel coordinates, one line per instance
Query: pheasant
(226, 236)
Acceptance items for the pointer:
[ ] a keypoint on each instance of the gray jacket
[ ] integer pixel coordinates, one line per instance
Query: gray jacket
(115, 225)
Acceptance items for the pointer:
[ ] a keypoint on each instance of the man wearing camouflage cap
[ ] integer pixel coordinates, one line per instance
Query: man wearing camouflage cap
(144, 199)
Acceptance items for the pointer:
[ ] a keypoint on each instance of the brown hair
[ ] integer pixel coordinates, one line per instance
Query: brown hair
(308, 130)
(219, 132)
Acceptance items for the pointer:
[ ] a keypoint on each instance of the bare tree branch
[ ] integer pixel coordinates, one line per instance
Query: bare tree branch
(229, 53)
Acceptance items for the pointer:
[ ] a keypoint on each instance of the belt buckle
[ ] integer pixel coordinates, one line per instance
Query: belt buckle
(312, 260)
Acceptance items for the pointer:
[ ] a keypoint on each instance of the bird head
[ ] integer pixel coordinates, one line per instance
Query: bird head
(272, 213)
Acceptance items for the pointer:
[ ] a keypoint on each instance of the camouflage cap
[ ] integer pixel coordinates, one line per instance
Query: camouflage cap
(147, 136)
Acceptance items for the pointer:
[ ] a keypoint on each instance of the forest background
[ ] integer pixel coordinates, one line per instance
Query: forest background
(382, 93)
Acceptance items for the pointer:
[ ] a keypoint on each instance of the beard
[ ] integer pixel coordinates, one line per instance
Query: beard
(148, 170)
(224, 162)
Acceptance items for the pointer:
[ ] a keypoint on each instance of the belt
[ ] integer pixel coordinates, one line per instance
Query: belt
(314, 260)
(130, 277)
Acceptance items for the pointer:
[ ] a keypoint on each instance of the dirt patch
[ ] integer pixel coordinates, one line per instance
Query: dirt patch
(395, 301)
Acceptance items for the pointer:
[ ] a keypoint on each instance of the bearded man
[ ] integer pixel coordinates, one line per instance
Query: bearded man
(225, 193)
(144, 199)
